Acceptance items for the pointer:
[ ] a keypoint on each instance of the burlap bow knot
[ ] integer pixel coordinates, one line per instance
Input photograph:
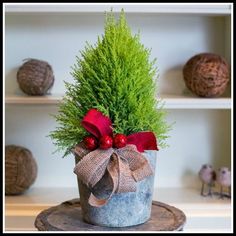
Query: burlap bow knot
(125, 167)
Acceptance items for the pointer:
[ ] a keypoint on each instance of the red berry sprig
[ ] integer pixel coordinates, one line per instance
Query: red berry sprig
(105, 142)
(119, 141)
(90, 142)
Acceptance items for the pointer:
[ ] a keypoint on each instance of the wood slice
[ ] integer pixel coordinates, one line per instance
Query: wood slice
(68, 217)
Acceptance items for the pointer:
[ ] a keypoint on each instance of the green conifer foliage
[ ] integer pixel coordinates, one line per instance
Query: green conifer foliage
(116, 77)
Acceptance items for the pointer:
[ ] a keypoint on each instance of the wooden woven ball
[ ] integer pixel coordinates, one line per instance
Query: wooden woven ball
(206, 75)
(35, 77)
(20, 169)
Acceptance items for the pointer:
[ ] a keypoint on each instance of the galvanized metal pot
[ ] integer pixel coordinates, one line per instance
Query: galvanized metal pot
(123, 209)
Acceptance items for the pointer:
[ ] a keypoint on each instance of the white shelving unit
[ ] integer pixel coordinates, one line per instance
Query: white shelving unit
(202, 126)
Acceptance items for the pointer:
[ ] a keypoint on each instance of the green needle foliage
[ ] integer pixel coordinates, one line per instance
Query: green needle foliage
(116, 77)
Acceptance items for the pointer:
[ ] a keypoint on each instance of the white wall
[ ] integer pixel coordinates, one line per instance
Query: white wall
(196, 138)
(59, 38)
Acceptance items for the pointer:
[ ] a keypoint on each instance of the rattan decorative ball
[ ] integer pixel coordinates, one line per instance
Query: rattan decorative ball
(35, 77)
(206, 75)
(20, 169)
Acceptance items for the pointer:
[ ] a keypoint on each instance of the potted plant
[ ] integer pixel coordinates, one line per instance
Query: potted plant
(111, 119)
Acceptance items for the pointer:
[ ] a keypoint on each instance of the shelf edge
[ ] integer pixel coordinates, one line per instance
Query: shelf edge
(168, 103)
(222, 9)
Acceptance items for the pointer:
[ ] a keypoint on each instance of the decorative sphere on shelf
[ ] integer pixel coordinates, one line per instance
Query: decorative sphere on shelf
(20, 169)
(206, 75)
(35, 77)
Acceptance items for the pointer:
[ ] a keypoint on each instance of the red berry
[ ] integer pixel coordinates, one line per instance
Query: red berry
(90, 142)
(120, 140)
(106, 142)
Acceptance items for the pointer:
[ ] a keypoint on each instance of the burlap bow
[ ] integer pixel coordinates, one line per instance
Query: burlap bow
(125, 166)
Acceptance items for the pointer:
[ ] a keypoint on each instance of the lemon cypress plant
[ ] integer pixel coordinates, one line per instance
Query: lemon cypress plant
(117, 77)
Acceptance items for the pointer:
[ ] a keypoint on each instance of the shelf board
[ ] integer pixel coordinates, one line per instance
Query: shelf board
(192, 102)
(202, 212)
(170, 101)
(188, 199)
(25, 99)
(209, 9)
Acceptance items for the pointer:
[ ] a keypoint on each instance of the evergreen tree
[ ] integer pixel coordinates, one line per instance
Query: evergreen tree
(116, 77)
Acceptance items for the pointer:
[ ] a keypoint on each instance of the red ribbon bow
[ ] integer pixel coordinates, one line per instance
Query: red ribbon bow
(99, 125)
(124, 165)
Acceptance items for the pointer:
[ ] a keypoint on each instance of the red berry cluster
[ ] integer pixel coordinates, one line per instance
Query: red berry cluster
(105, 142)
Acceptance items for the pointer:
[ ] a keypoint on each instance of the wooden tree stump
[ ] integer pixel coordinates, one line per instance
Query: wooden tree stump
(68, 217)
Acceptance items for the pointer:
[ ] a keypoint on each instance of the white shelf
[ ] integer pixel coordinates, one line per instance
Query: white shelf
(201, 212)
(191, 102)
(209, 9)
(25, 99)
(170, 101)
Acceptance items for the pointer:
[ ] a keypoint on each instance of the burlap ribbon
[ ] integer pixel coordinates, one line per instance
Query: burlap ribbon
(125, 166)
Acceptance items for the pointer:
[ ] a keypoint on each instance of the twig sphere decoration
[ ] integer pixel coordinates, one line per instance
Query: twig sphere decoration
(20, 169)
(206, 75)
(35, 77)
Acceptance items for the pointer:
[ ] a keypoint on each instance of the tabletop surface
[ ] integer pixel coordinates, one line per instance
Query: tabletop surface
(68, 217)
